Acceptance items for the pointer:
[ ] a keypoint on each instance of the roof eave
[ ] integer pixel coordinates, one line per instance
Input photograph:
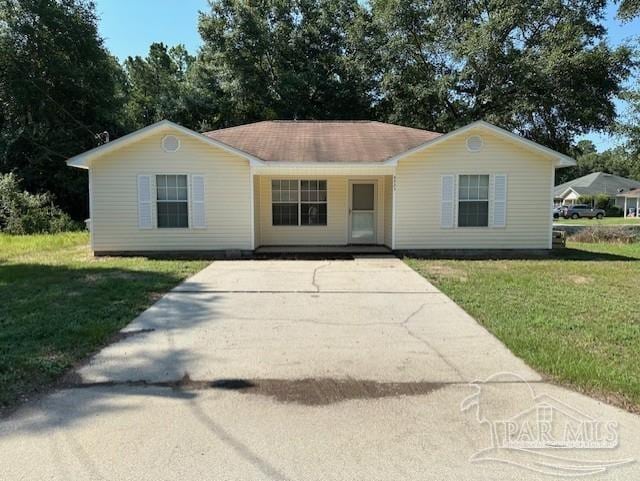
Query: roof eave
(560, 160)
(83, 161)
(339, 168)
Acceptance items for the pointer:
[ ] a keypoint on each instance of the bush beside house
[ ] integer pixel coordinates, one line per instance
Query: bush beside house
(24, 213)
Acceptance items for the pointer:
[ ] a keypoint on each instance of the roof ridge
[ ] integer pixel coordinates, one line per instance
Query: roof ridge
(320, 121)
(235, 127)
(311, 121)
(406, 127)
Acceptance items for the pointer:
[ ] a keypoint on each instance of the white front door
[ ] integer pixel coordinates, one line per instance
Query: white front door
(362, 212)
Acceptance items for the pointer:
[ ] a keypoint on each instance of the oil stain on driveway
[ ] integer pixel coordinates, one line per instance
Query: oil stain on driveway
(277, 369)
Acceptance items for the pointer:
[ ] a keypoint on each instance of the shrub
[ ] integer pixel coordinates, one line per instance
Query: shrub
(585, 199)
(619, 235)
(602, 201)
(614, 211)
(25, 213)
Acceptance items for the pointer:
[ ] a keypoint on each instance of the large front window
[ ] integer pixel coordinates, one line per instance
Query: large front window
(299, 202)
(473, 201)
(172, 201)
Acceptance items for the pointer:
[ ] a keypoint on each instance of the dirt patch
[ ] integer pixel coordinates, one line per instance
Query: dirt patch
(119, 336)
(446, 272)
(92, 278)
(580, 279)
(314, 392)
(155, 296)
(97, 277)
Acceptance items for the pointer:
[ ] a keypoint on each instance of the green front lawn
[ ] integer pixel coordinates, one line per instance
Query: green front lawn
(59, 304)
(574, 318)
(604, 221)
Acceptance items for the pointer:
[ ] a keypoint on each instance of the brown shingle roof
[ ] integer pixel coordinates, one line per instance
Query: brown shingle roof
(322, 141)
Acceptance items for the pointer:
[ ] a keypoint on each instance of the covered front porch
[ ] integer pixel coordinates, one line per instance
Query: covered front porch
(309, 209)
(631, 203)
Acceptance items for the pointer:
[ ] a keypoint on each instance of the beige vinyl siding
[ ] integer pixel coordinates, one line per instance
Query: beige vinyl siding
(388, 210)
(335, 232)
(529, 195)
(115, 205)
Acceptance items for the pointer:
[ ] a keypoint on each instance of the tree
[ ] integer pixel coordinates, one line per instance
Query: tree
(286, 59)
(59, 89)
(24, 213)
(160, 87)
(628, 10)
(542, 69)
(618, 161)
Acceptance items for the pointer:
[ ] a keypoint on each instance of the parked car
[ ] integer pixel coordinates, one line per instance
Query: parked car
(558, 211)
(579, 211)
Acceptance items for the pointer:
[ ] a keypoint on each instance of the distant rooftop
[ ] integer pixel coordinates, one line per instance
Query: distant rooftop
(322, 141)
(598, 183)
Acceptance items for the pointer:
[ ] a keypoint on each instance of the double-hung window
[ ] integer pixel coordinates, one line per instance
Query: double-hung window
(313, 202)
(473, 201)
(299, 202)
(284, 202)
(172, 201)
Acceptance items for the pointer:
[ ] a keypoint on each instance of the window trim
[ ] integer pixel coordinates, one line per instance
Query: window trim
(188, 201)
(299, 202)
(489, 202)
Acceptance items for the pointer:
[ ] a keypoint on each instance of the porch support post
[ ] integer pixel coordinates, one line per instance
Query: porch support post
(637, 206)
(625, 206)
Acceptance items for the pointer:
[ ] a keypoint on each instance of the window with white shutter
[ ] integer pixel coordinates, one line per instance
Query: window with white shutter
(172, 201)
(500, 200)
(145, 208)
(473, 200)
(447, 201)
(198, 220)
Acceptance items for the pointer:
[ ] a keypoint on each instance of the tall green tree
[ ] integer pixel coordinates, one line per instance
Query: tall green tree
(628, 9)
(286, 59)
(160, 86)
(541, 68)
(59, 89)
(628, 127)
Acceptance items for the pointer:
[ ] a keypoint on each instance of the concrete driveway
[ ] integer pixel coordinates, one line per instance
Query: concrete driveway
(302, 370)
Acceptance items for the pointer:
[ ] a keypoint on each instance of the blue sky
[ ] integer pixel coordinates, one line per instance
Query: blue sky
(130, 26)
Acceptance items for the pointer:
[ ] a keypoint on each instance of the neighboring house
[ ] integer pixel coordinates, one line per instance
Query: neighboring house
(591, 185)
(319, 183)
(631, 203)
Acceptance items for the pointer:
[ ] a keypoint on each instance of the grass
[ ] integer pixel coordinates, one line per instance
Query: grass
(59, 304)
(575, 318)
(603, 221)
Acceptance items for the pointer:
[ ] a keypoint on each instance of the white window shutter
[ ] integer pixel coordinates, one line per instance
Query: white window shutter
(447, 201)
(145, 208)
(499, 200)
(197, 202)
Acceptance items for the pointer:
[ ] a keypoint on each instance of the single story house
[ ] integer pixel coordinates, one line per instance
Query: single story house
(319, 183)
(591, 185)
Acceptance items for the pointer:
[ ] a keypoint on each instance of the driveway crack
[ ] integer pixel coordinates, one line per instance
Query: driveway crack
(315, 273)
(411, 333)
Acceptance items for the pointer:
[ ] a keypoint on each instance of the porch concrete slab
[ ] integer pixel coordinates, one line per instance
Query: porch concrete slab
(152, 433)
(320, 250)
